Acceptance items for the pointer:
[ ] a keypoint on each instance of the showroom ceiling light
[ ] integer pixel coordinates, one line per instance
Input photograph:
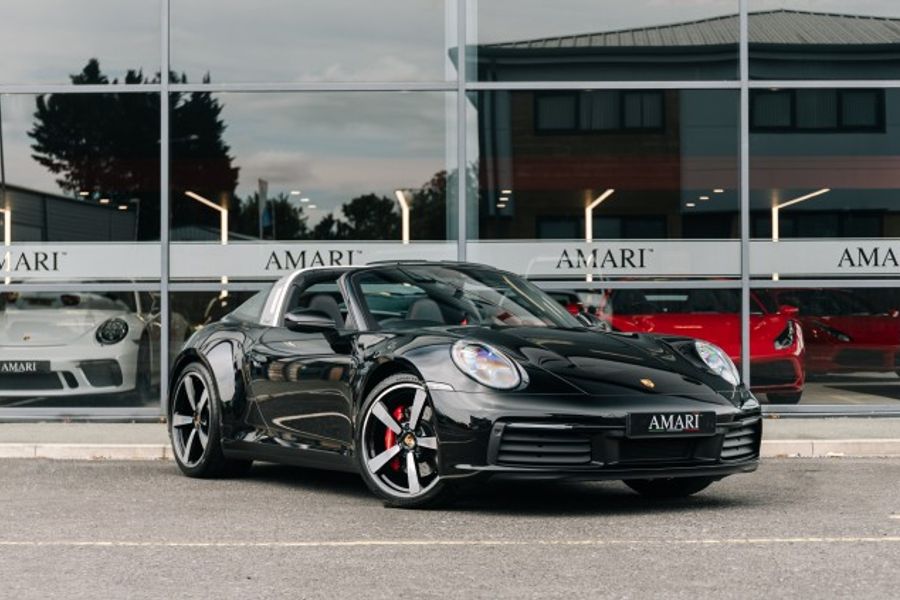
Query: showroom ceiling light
(295, 192)
(104, 200)
(404, 214)
(718, 191)
(304, 199)
(123, 207)
(690, 205)
(312, 207)
(506, 192)
(84, 193)
(704, 197)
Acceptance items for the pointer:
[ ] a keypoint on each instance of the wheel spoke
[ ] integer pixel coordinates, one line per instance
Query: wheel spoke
(203, 437)
(412, 474)
(186, 449)
(203, 398)
(179, 420)
(385, 417)
(427, 442)
(189, 392)
(418, 405)
(377, 463)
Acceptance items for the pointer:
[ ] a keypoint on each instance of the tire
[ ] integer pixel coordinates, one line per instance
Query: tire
(394, 434)
(195, 427)
(677, 487)
(143, 388)
(784, 398)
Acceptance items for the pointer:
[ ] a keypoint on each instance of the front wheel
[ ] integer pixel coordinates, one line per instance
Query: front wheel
(195, 426)
(676, 487)
(397, 444)
(784, 398)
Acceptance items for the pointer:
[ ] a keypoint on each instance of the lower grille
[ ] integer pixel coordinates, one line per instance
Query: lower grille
(779, 372)
(102, 373)
(655, 450)
(30, 381)
(543, 446)
(740, 443)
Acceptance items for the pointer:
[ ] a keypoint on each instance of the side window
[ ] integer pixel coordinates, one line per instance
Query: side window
(322, 296)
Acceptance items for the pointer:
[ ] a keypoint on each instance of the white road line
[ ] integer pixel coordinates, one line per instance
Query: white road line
(894, 517)
(401, 543)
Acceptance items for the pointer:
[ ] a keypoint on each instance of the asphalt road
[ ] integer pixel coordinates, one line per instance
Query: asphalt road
(796, 528)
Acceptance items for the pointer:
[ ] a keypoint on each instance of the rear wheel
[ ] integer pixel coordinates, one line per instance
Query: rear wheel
(397, 444)
(676, 487)
(784, 398)
(195, 426)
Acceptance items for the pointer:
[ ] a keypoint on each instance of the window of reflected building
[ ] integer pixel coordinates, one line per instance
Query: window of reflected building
(81, 167)
(823, 163)
(313, 40)
(644, 164)
(46, 41)
(313, 166)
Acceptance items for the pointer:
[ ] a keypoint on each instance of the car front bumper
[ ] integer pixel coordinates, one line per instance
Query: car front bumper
(584, 438)
(74, 370)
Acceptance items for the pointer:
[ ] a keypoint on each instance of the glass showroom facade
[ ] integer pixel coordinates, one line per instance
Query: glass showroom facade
(726, 169)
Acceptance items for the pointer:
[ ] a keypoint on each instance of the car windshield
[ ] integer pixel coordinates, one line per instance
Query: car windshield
(428, 295)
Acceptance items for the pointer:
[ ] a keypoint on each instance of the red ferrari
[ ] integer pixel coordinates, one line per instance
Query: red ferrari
(776, 346)
(843, 332)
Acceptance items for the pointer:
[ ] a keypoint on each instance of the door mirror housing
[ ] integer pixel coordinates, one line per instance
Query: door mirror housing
(304, 320)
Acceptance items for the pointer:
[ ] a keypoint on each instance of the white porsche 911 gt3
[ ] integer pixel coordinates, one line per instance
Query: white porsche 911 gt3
(66, 344)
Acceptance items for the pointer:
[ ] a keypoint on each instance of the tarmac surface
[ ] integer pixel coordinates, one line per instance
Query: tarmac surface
(796, 528)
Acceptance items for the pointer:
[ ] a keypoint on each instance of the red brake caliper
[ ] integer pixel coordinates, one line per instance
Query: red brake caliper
(390, 438)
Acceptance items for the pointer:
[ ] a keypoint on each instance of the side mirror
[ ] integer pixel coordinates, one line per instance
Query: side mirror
(788, 310)
(308, 321)
(592, 322)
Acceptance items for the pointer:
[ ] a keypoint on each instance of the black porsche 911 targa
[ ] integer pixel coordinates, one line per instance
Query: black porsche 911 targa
(422, 376)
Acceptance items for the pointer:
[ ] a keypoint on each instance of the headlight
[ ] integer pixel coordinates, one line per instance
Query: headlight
(486, 365)
(786, 338)
(718, 362)
(112, 331)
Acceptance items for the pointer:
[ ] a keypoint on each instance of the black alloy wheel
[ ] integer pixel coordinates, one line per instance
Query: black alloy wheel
(195, 427)
(397, 444)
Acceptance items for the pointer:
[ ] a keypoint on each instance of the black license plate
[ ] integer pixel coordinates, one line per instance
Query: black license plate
(24, 367)
(670, 424)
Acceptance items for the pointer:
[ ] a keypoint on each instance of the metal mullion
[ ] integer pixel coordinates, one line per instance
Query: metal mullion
(825, 83)
(824, 283)
(700, 284)
(744, 157)
(614, 85)
(75, 286)
(164, 205)
(323, 86)
(111, 88)
(232, 286)
(462, 175)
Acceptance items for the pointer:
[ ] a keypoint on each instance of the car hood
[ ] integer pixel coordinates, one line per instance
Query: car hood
(52, 327)
(608, 363)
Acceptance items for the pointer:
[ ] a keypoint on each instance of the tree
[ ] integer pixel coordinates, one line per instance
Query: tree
(108, 145)
(291, 222)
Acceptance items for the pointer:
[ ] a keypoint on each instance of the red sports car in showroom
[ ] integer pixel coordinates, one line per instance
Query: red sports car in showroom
(776, 338)
(843, 332)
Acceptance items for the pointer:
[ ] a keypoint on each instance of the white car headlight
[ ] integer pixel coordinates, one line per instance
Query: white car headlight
(486, 365)
(112, 331)
(718, 362)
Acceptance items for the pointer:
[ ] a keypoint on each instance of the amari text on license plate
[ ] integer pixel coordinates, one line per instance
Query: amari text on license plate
(670, 424)
(23, 367)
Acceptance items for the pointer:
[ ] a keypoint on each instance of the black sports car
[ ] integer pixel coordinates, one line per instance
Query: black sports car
(422, 376)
